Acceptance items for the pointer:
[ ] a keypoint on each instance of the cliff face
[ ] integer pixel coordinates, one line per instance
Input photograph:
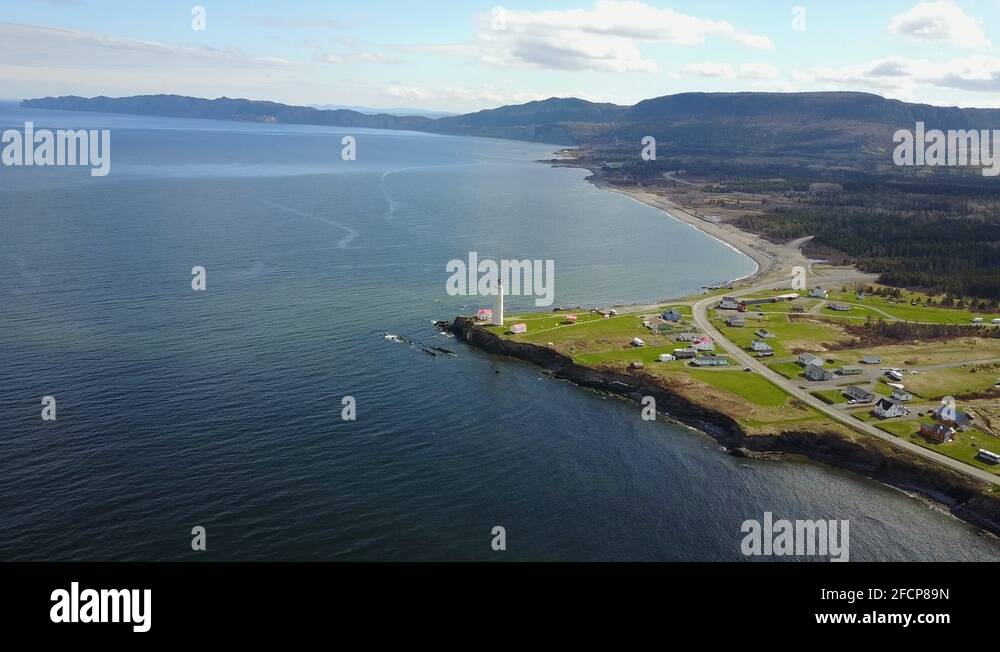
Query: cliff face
(967, 498)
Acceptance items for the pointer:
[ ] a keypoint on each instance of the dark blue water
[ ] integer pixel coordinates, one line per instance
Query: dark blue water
(222, 408)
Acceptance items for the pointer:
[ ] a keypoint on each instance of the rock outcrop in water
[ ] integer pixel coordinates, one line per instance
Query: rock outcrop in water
(966, 498)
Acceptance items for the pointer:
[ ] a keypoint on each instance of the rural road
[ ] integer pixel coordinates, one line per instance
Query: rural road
(699, 312)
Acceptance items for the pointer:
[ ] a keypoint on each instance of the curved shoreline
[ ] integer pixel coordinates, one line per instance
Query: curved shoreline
(754, 256)
(774, 261)
(674, 211)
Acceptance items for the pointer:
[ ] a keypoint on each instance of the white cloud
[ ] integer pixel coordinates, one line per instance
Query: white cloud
(359, 57)
(940, 22)
(482, 95)
(758, 71)
(31, 46)
(399, 92)
(293, 22)
(900, 76)
(724, 70)
(602, 38)
(38, 61)
(729, 71)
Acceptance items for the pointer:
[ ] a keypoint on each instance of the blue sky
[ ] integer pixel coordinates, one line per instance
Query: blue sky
(467, 55)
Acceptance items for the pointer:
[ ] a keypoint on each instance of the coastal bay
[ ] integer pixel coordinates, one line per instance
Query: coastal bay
(224, 409)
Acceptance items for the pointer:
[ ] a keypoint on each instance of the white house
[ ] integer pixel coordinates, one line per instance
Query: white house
(637, 342)
(666, 357)
(887, 408)
(729, 303)
(737, 322)
(761, 347)
(806, 359)
(703, 343)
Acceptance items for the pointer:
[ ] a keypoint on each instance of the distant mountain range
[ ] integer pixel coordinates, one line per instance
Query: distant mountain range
(808, 124)
(392, 111)
(224, 108)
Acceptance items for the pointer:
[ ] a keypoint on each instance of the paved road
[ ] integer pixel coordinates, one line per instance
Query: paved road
(700, 315)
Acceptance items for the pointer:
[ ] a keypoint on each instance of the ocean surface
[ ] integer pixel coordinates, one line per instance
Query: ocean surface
(222, 408)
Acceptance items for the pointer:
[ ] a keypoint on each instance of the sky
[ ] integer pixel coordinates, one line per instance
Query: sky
(465, 55)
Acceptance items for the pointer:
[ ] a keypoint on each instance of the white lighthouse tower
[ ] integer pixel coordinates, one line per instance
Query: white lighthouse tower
(498, 310)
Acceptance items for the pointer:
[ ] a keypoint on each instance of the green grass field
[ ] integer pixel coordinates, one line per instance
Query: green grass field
(830, 396)
(542, 321)
(959, 349)
(784, 306)
(857, 312)
(903, 310)
(682, 309)
(648, 355)
(948, 381)
(789, 370)
(865, 414)
(750, 386)
(791, 335)
(964, 447)
(589, 328)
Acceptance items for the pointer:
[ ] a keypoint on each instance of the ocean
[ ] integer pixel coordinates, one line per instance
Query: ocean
(222, 408)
